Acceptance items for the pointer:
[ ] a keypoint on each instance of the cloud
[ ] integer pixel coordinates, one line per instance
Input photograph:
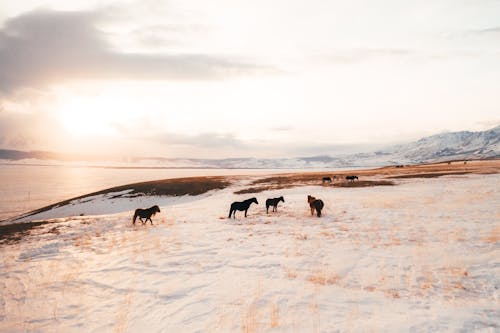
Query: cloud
(353, 56)
(203, 140)
(495, 31)
(26, 130)
(45, 47)
(282, 129)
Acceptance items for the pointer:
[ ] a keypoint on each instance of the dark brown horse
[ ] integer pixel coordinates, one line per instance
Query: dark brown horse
(145, 214)
(243, 205)
(315, 204)
(274, 203)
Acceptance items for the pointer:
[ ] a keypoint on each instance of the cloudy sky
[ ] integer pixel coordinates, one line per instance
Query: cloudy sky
(226, 78)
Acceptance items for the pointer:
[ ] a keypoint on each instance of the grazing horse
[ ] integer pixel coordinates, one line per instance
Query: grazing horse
(315, 204)
(273, 202)
(351, 178)
(241, 205)
(145, 214)
(327, 179)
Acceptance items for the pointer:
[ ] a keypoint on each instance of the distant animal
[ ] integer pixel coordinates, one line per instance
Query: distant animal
(145, 214)
(327, 179)
(241, 205)
(351, 178)
(315, 204)
(274, 203)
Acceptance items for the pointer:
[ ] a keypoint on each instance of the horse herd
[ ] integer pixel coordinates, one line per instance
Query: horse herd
(316, 205)
(348, 178)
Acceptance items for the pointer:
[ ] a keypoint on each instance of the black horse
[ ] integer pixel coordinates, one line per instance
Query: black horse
(241, 205)
(351, 178)
(145, 214)
(273, 202)
(327, 179)
(315, 204)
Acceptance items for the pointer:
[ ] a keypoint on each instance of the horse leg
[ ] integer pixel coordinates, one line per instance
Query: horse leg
(150, 220)
(246, 210)
(267, 209)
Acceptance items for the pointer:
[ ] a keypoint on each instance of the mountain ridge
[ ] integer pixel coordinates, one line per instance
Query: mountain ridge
(462, 145)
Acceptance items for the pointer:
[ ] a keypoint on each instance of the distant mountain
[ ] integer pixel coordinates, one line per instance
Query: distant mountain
(449, 146)
(436, 148)
(17, 155)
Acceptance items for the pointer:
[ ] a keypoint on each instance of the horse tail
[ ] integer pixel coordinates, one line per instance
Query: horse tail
(135, 217)
(230, 212)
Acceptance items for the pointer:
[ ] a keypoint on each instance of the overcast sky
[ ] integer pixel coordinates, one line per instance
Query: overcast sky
(227, 78)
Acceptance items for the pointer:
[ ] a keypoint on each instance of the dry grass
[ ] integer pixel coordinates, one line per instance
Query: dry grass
(377, 177)
(323, 278)
(364, 183)
(274, 315)
(430, 175)
(494, 237)
(13, 233)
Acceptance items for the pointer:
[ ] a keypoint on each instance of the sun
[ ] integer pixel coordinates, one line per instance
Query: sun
(91, 116)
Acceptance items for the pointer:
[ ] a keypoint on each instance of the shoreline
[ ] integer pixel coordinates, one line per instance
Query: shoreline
(192, 186)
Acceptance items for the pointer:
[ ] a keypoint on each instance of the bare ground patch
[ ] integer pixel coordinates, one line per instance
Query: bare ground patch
(430, 175)
(364, 183)
(13, 233)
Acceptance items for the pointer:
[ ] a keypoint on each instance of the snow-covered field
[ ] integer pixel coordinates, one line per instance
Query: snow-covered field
(420, 256)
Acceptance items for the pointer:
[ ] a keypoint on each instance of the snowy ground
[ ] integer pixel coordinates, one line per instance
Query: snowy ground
(420, 256)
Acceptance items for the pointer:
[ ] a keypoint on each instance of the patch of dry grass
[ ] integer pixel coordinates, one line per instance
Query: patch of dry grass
(430, 175)
(289, 180)
(323, 278)
(13, 233)
(364, 183)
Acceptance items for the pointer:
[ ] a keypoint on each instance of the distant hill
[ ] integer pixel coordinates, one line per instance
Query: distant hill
(17, 155)
(449, 146)
(435, 148)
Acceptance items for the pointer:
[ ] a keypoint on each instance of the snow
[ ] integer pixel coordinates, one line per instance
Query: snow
(420, 256)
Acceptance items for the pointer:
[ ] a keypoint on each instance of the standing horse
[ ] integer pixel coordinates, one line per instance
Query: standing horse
(351, 178)
(145, 214)
(315, 204)
(273, 202)
(243, 205)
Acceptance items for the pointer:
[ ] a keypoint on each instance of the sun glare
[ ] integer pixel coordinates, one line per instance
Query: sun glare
(92, 116)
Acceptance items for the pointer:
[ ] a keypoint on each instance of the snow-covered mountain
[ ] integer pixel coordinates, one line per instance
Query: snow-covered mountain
(449, 146)
(436, 148)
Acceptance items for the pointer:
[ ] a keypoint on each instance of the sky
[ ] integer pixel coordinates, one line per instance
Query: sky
(226, 78)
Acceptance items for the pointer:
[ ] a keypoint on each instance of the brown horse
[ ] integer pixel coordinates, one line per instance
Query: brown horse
(145, 214)
(315, 204)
